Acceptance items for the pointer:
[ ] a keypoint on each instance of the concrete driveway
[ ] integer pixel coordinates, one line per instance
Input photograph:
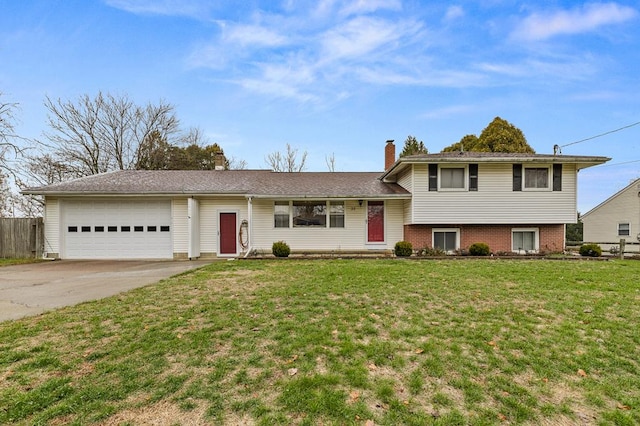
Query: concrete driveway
(37, 287)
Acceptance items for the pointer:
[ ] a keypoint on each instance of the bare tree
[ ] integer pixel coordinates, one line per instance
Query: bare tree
(330, 160)
(237, 164)
(288, 161)
(7, 133)
(96, 135)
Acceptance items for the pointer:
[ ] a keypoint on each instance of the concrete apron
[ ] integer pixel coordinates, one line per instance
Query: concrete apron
(31, 289)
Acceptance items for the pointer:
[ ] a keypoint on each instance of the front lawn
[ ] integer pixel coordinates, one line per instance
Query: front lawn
(339, 342)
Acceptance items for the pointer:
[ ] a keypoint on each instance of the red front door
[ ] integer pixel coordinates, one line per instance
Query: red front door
(375, 222)
(228, 233)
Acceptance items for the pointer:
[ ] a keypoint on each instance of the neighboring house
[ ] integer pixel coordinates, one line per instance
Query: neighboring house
(513, 202)
(616, 218)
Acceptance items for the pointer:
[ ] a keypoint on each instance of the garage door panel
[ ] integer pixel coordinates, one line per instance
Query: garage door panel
(117, 229)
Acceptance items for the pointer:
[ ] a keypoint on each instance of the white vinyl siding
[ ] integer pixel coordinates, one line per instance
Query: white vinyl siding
(405, 180)
(209, 210)
(602, 224)
(351, 237)
(52, 227)
(495, 202)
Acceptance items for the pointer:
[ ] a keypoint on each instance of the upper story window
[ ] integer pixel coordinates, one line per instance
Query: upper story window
(453, 178)
(537, 178)
(624, 229)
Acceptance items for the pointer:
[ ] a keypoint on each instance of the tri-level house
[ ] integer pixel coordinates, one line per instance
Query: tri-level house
(513, 202)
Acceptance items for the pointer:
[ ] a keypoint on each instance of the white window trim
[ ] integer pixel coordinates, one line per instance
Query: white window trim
(465, 178)
(549, 178)
(328, 210)
(456, 230)
(273, 222)
(536, 237)
(623, 223)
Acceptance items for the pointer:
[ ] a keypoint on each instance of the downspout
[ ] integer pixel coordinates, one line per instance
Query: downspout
(250, 227)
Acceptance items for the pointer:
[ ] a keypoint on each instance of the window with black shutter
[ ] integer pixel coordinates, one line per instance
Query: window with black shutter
(473, 177)
(517, 177)
(433, 177)
(557, 177)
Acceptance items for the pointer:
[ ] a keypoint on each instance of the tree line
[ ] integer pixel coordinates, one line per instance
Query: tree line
(105, 133)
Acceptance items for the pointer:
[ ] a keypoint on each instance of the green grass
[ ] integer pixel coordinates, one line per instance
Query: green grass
(17, 261)
(339, 342)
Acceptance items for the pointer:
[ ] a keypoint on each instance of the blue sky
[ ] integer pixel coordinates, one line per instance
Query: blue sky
(342, 77)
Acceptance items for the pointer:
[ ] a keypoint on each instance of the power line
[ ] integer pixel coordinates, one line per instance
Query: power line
(618, 164)
(600, 135)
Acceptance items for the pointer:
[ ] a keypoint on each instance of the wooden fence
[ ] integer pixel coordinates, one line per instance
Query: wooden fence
(21, 237)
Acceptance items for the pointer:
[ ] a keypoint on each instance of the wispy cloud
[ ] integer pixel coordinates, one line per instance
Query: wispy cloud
(542, 26)
(254, 36)
(198, 9)
(362, 36)
(359, 7)
(453, 13)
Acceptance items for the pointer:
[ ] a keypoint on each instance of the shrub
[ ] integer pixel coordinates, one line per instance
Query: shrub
(403, 249)
(479, 249)
(590, 250)
(280, 249)
(428, 251)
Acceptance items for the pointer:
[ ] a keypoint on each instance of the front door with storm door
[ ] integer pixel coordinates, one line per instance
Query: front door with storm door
(375, 222)
(227, 232)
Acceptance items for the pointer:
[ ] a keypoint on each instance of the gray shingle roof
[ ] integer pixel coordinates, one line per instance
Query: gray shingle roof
(581, 161)
(258, 183)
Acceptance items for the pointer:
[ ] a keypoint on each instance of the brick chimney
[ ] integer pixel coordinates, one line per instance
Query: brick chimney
(389, 154)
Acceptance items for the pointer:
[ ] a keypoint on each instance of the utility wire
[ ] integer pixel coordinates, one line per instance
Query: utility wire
(618, 164)
(600, 135)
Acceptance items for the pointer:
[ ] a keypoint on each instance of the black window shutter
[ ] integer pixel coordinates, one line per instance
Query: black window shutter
(557, 177)
(433, 177)
(473, 177)
(517, 177)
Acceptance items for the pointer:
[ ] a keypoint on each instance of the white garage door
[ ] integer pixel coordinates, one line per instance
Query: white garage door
(102, 229)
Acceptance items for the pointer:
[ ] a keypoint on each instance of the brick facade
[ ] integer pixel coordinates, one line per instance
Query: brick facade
(498, 237)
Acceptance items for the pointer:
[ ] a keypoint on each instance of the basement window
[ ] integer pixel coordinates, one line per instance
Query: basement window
(447, 240)
(525, 240)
